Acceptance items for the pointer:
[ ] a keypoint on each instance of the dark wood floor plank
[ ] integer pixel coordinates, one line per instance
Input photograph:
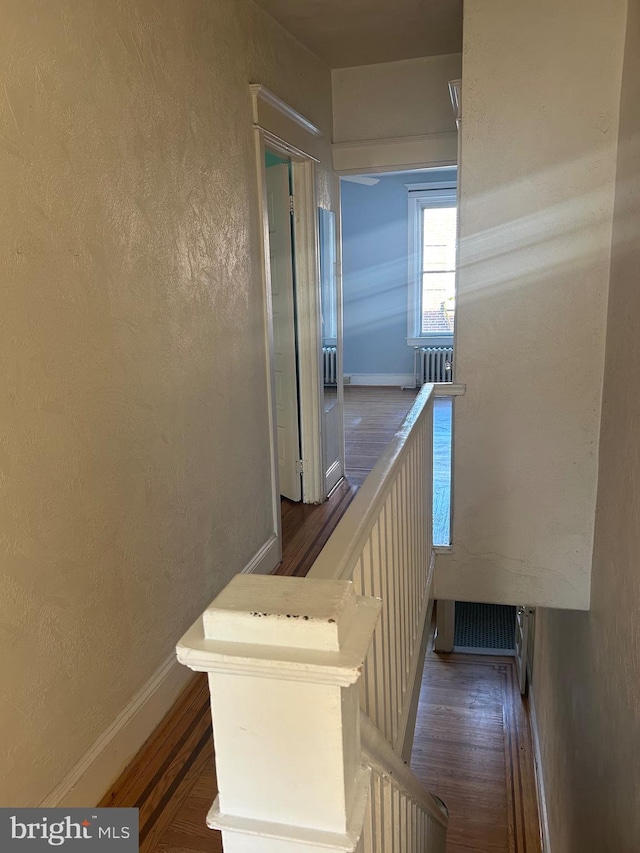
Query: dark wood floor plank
(173, 806)
(188, 709)
(306, 528)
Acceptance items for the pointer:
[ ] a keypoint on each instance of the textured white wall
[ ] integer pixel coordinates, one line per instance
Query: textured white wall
(134, 456)
(394, 99)
(541, 87)
(587, 666)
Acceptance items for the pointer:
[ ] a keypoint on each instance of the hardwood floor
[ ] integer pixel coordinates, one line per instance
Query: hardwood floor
(187, 830)
(160, 779)
(371, 416)
(306, 527)
(472, 745)
(473, 749)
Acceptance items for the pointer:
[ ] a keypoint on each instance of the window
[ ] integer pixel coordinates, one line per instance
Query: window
(432, 264)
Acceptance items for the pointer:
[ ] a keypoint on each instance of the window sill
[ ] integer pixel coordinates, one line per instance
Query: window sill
(431, 341)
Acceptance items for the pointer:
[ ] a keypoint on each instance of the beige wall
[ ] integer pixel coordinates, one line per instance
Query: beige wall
(540, 98)
(406, 98)
(134, 453)
(587, 666)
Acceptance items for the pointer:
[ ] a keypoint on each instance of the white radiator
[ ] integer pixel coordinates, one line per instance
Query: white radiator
(435, 364)
(330, 362)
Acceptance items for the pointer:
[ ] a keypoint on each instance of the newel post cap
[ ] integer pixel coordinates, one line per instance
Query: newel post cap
(300, 629)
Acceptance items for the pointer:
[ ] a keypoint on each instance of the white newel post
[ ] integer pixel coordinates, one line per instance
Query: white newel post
(284, 656)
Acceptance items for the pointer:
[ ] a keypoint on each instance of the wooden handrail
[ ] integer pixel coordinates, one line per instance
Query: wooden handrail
(380, 756)
(336, 559)
(359, 618)
(383, 545)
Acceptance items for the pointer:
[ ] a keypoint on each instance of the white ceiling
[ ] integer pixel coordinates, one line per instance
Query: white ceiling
(363, 32)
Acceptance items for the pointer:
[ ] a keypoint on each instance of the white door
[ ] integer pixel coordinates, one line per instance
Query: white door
(284, 334)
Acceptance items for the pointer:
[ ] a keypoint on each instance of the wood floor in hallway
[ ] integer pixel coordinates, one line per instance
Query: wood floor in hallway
(472, 747)
(371, 417)
(471, 730)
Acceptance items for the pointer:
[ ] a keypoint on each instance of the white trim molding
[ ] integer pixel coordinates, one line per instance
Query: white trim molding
(265, 559)
(89, 780)
(290, 135)
(283, 125)
(455, 93)
(276, 512)
(440, 389)
(283, 146)
(537, 764)
(433, 185)
(379, 379)
(433, 340)
(449, 389)
(261, 93)
(407, 152)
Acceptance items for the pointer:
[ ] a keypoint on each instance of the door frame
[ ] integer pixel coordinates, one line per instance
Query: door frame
(284, 325)
(285, 132)
(334, 472)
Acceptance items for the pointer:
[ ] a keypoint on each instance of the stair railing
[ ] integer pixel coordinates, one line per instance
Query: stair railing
(384, 544)
(402, 817)
(313, 680)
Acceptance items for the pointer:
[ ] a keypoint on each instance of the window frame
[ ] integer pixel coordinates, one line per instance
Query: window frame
(421, 196)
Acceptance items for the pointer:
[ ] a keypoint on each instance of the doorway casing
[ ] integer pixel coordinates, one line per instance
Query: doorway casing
(288, 134)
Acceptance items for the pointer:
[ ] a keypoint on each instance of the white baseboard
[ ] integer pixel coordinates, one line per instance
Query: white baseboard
(265, 559)
(97, 770)
(100, 766)
(540, 789)
(398, 379)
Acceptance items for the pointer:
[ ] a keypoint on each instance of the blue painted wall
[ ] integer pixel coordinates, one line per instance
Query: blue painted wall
(374, 270)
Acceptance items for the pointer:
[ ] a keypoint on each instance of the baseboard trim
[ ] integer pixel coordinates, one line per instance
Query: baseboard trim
(537, 765)
(265, 559)
(87, 782)
(479, 650)
(98, 769)
(381, 379)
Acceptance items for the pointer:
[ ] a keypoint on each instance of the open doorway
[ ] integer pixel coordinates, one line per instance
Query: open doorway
(399, 242)
(288, 148)
(290, 327)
